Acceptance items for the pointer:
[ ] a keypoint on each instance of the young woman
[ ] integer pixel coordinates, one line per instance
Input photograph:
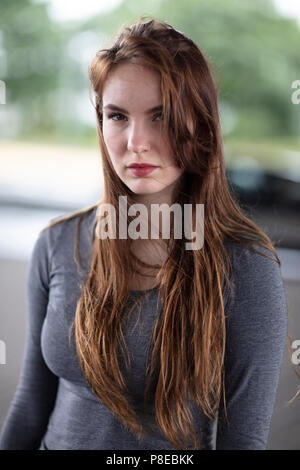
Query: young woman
(140, 342)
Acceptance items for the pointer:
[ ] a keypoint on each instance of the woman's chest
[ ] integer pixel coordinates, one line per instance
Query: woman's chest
(58, 331)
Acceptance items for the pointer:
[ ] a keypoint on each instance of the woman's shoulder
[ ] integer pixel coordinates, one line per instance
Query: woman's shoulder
(254, 264)
(59, 235)
(254, 255)
(64, 226)
(256, 279)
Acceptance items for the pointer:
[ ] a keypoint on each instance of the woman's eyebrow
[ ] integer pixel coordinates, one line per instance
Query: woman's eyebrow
(114, 107)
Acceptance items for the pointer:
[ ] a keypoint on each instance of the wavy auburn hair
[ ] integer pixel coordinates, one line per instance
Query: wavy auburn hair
(188, 338)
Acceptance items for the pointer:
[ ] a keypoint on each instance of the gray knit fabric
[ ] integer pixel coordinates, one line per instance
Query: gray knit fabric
(54, 407)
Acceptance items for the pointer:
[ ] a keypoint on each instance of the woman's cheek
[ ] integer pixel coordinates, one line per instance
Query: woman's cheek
(111, 140)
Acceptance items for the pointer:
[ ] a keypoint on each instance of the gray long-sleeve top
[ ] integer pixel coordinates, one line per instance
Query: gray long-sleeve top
(54, 407)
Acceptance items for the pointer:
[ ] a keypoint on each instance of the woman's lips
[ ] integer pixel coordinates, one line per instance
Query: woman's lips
(142, 170)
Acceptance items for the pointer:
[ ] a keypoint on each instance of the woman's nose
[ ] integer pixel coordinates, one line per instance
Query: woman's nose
(138, 139)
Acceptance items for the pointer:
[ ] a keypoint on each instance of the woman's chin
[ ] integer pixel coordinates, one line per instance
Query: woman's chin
(145, 188)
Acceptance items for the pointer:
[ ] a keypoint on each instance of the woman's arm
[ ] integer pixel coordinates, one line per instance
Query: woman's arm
(34, 399)
(256, 338)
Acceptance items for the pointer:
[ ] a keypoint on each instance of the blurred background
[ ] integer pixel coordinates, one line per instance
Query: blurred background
(49, 157)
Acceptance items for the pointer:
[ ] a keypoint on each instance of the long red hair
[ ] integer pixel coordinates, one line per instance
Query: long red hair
(189, 335)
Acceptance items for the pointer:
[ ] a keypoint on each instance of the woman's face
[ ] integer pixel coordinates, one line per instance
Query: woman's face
(132, 130)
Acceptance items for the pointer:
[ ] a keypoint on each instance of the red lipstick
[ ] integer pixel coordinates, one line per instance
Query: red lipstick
(142, 169)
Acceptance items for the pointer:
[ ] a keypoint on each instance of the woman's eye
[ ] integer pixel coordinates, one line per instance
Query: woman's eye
(158, 115)
(121, 117)
(113, 115)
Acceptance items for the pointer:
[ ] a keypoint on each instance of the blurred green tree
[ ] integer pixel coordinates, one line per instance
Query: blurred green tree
(254, 52)
(32, 59)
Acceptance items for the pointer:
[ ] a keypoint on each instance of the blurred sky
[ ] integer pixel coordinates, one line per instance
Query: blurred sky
(290, 8)
(69, 10)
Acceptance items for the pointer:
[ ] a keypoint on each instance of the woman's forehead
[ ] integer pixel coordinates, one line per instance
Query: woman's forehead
(130, 83)
(132, 72)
